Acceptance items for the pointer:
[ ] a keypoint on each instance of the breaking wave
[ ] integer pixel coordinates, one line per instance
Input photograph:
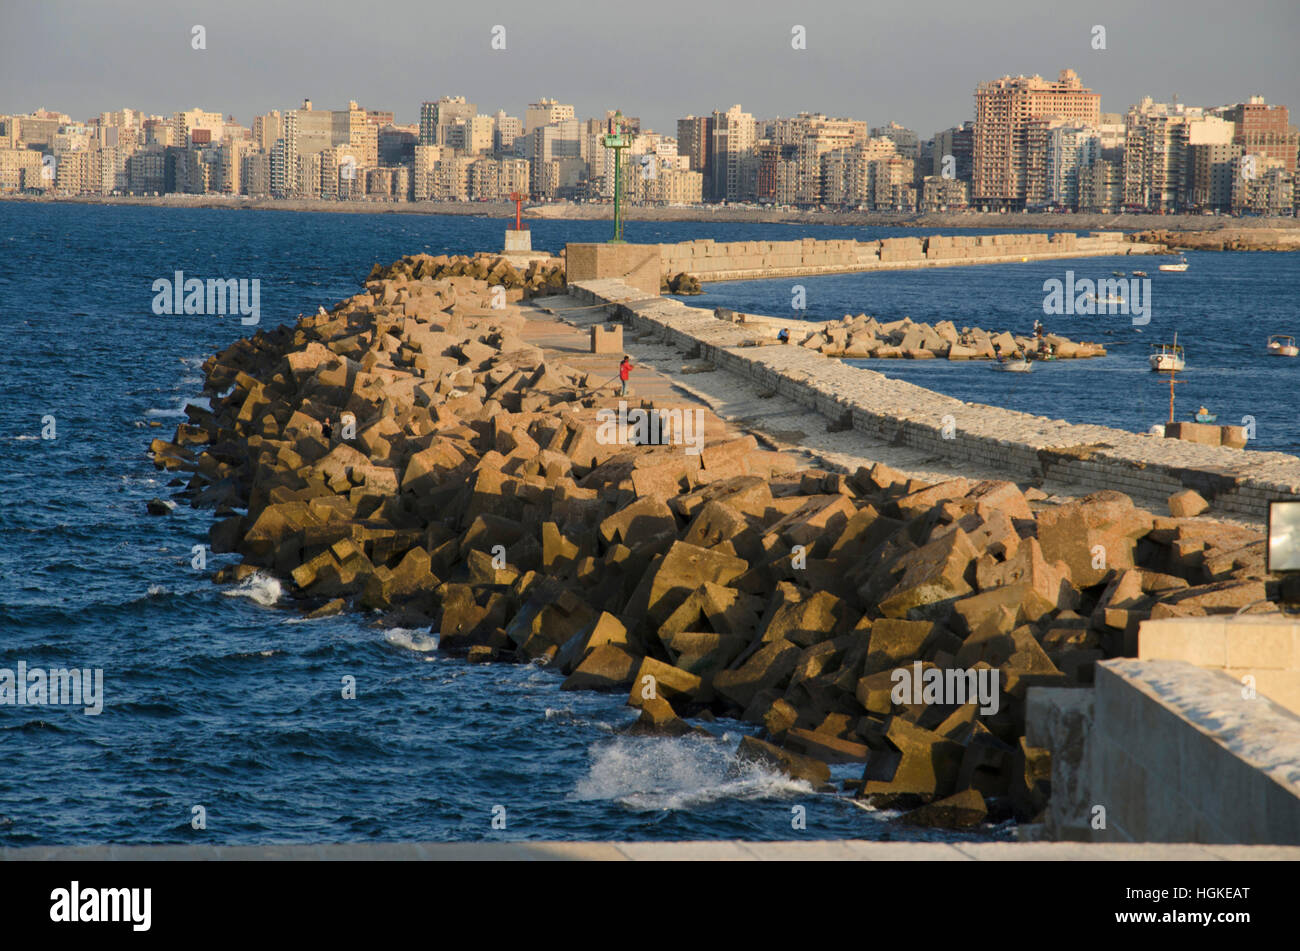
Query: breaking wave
(663, 773)
(412, 639)
(258, 587)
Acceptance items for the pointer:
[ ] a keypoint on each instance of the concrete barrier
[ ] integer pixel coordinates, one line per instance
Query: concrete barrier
(1264, 648)
(637, 265)
(745, 260)
(1164, 751)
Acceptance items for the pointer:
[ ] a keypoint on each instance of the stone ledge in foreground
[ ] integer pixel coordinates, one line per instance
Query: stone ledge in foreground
(818, 850)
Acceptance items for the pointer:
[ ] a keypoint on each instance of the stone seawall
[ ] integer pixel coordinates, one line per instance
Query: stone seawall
(745, 260)
(1029, 448)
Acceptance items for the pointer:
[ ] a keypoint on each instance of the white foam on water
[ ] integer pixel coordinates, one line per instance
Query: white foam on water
(258, 587)
(158, 590)
(674, 773)
(23, 438)
(411, 638)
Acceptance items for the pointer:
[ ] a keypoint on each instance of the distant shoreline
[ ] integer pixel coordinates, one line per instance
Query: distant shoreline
(567, 212)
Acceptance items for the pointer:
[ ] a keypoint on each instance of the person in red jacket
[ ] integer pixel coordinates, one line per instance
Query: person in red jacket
(624, 371)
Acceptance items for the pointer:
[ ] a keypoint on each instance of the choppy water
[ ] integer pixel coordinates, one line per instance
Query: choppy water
(1223, 308)
(221, 697)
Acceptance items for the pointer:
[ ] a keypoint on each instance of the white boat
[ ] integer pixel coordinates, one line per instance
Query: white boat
(1167, 357)
(1111, 300)
(1178, 268)
(1281, 345)
(1015, 366)
(1139, 273)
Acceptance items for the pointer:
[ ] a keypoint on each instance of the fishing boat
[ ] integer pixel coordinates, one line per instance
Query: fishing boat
(1119, 273)
(1282, 345)
(1203, 415)
(1167, 357)
(1139, 273)
(1177, 268)
(1110, 300)
(1021, 365)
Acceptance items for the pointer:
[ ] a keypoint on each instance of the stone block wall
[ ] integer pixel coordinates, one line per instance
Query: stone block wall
(1263, 647)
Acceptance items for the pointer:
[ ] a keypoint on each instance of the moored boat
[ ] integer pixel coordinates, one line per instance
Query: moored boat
(1282, 345)
(1167, 357)
(1177, 268)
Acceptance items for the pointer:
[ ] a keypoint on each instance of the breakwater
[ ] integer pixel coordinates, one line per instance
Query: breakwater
(410, 452)
(710, 260)
(1027, 448)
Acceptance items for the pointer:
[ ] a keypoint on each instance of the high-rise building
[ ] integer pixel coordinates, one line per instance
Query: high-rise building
(437, 117)
(1004, 109)
(1157, 163)
(735, 164)
(506, 130)
(545, 112)
(906, 142)
(957, 143)
(1261, 129)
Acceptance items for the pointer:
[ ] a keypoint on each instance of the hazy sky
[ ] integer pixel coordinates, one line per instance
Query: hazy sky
(916, 63)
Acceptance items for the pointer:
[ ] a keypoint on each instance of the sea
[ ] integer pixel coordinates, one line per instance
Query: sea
(227, 719)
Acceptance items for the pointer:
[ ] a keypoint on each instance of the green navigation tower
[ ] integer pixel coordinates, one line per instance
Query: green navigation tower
(618, 140)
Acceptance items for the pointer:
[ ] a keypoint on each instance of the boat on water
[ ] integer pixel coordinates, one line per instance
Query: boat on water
(1110, 300)
(1203, 415)
(1177, 268)
(1139, 273)
(1167, 357)
(1282, 345)
(1021, 365)
(1119, 273)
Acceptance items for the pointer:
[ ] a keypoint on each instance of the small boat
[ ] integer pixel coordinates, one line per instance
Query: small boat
(1014, 366)
(1178, 268)
(1167, 357)
(1111, 300)
(1119, 273)
(1282, 345)
(1139, 273)
(1203, 415)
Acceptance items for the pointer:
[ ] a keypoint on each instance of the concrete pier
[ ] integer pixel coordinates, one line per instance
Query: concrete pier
(1019, 446)
(752, 260)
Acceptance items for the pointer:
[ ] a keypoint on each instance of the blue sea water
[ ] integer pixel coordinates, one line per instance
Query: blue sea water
(219, 696)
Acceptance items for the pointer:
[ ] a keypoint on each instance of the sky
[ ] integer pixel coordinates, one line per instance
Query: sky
(915, 63)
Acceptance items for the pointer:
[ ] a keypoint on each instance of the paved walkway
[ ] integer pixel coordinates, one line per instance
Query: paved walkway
(838, 850)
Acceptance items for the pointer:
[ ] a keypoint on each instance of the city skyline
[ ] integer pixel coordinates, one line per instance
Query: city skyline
(851, 66)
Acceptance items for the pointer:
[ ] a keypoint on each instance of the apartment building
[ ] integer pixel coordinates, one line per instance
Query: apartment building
(545, 112)
(1004, 110)
(735, 163)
